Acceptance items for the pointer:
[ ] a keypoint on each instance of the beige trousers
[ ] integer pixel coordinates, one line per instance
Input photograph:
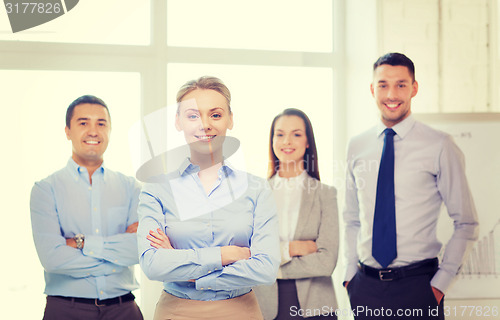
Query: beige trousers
(240, 308)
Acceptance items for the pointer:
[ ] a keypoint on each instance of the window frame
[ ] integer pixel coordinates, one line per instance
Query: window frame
(151, 61)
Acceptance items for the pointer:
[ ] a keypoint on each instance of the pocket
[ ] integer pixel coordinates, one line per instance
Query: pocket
(116, 220)
(432, 298)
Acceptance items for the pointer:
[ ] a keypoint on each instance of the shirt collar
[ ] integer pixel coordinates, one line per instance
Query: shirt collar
(295, 182)
(401, 129)
(76, 170)
(188, 168)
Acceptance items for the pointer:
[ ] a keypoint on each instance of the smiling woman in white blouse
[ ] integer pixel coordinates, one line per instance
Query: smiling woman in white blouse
(308, 225)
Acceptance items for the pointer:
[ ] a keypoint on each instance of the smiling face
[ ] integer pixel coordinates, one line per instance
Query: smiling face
(290, 140)
(89, 133)
(393, 88)
(204, 118)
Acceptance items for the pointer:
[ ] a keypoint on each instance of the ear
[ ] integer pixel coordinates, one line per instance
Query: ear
(372, 89)
(415, 88)
(177, 123)
(231, 123)
(66, 129)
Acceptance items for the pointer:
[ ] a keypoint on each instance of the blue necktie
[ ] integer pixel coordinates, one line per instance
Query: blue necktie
(384, 221)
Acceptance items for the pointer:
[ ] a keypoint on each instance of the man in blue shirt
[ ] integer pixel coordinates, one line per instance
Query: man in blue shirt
(398, 175)
(84, 220)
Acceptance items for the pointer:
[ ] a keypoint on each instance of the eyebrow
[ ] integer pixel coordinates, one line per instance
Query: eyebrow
(398, 81)
(197, 110)
(292, 130)
(88, 119)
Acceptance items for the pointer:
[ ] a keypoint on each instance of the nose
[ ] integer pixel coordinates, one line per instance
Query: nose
(391, 93)
(286, 139)
(205, 124)
(92, 130)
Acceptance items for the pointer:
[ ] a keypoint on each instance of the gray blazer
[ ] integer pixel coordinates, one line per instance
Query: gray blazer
(318, 220)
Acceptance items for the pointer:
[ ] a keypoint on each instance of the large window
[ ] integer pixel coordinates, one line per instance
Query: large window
(135, 55)
(283, 25)
(125, 22)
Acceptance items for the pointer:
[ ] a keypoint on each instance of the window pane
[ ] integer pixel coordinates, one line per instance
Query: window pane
(259, 93)
(34, 145)
(288, 25)
(92, 21)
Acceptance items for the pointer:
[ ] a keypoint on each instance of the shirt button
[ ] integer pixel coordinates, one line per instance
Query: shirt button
(202, 289)
(91, 252)
(90, 188)
(95, 209)
(114, 270)
(209, 271)
(102, 292)
(209, 288)
(96, 230)
(116, 260)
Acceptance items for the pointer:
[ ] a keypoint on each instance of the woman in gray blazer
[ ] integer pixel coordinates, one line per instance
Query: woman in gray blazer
(308, 225)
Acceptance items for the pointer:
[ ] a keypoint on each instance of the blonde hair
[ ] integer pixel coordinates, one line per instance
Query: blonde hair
(206, 83)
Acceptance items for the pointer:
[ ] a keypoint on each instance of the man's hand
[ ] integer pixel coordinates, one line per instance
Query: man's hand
(231, 254)
(299, 248)
(438, 294)
(72, 243)
(159, 239)
(132, 228)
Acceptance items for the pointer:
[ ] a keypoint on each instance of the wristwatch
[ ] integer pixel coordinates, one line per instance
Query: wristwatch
(79, 240)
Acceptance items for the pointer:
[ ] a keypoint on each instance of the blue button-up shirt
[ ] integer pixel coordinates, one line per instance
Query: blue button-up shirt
(65, 204)
(239, 210)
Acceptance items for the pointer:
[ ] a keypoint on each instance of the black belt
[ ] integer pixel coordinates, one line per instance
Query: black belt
(106, 302)
(428, 266)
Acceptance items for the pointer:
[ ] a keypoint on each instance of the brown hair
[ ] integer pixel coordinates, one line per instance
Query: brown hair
(310, 156)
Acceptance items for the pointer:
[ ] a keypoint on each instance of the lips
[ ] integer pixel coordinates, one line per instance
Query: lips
(92, 142)
(287, 150)
(206, 138)
(392, 106)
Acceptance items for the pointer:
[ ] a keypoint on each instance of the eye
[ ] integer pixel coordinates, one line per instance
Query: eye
(192, 116)
(382, 86)
(402, 86)
(101, 124)
(216, 115)
(83, 123)
(298, 135)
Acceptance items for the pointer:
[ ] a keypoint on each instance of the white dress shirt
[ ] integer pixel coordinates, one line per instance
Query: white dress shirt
(429, 170)
(288, 195)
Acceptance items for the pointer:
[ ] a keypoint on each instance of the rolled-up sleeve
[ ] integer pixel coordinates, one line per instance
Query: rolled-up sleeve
(55, 256)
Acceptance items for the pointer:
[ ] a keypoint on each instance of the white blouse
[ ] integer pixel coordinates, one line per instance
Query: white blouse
(288, 195)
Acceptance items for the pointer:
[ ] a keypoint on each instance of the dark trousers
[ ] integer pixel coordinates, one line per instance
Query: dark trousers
(406, 298)
(288, 301)
(60, 309)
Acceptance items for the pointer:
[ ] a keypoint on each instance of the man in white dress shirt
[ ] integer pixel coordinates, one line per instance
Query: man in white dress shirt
(398, 175)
